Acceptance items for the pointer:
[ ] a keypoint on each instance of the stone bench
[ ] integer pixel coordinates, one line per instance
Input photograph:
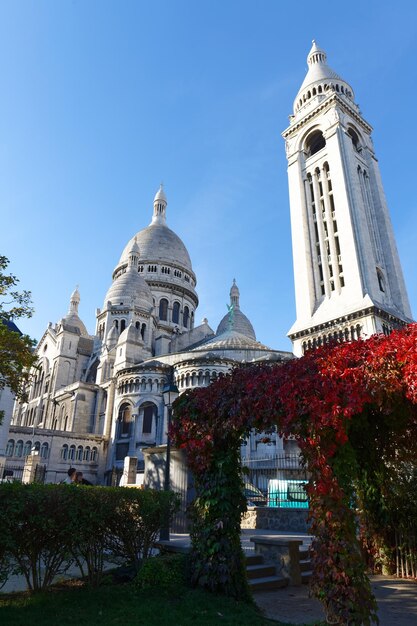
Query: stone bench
(283, 553)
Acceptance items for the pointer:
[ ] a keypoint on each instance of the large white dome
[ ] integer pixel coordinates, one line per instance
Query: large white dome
(158, 243)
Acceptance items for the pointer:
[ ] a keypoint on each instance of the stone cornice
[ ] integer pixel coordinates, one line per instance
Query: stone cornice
(322, 108)
(345, 319)
(173, 287)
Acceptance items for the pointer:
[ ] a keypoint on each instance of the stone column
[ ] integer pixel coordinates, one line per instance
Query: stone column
(29, 470)
(129, 471)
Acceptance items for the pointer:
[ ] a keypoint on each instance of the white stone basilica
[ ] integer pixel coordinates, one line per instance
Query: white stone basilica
(95, 400)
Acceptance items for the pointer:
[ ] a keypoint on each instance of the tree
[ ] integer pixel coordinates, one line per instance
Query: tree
(16, 349)
(353, 409)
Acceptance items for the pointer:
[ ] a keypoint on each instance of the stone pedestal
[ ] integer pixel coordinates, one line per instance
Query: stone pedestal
(284, 554)
(129, 471)
(29, 470)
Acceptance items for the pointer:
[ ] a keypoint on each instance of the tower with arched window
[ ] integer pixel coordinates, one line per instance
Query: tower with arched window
(347, 273)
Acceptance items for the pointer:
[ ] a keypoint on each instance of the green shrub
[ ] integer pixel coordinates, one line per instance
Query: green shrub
(35, 538)
(167, 572)
(45, 528)
(136, 521)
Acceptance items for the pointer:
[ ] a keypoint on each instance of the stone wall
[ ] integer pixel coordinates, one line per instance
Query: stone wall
(274, 518)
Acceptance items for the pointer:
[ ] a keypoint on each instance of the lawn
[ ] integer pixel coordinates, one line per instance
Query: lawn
(121, 604)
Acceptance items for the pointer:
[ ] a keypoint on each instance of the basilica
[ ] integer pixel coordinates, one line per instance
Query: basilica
(96, 399)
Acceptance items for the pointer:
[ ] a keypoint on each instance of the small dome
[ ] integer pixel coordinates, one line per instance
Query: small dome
(128, 287)
(241, 325)
(235, 319)
(75, 296)
(160, 195)
(231, 340)
(135, 248)
(72, 318)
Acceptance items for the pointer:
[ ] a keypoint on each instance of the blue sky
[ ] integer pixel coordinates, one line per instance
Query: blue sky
(102, 100)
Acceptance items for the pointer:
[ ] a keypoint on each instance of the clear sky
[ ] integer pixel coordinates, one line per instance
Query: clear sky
(101, 100)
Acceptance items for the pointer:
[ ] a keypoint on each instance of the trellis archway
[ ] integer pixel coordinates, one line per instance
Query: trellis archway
(320, 398)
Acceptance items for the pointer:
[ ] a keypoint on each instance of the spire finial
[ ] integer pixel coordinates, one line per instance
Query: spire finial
(316, 55)
(234, 295)
(74, 301)
(159, 206)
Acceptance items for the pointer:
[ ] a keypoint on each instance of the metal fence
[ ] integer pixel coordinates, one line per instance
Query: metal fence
(14, 473)
(11, 473)
(276, 480)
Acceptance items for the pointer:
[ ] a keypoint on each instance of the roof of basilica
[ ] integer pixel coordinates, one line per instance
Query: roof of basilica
(231, 339)
(157, 242)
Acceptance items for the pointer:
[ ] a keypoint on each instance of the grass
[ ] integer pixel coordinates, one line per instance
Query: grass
(75, 604)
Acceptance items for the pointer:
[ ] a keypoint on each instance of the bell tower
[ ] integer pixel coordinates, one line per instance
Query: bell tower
(347, 273)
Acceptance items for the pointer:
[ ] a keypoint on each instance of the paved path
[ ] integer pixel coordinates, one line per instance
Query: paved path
(397, 603)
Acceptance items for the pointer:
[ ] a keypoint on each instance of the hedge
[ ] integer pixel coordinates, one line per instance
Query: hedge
(47, 528)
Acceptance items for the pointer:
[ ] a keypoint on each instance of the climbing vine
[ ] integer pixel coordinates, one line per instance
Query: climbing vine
(322, 398)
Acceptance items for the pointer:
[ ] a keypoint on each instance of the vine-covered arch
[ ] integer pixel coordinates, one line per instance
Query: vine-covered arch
(334, 400)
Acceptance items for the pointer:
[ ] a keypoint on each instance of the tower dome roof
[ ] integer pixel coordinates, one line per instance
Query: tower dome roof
(235, 319)
(319, 73)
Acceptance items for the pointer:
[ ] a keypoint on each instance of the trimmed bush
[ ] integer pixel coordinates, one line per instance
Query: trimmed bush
(146, 511)
(167, 572)
(45, 528)
(36, 531)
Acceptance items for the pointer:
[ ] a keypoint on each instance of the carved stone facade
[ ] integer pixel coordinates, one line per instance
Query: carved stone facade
(95, 400)
(348, 277)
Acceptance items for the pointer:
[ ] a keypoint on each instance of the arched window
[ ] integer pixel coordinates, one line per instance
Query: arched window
(163, 309)
(44, 450)
(10, 447)
(18, 451)
(149, 412)
(137, 325)
(122, 325)
(79, 456)
(176, 313)
(355, 138)
(186, 316)
(71, 453)
(64, 452)
(94, 455)
(380, 280)
(314, 142)
(87, 451)
(27, 448)
(65, 423)
(142, 331)
(124, 419)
